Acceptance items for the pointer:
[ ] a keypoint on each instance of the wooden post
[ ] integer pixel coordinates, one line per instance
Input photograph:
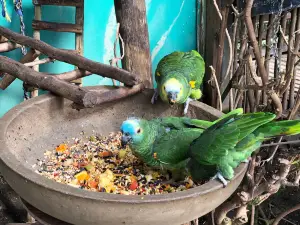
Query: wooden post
(79, 20)
(212, 29)
(36, 35)
(131, 15)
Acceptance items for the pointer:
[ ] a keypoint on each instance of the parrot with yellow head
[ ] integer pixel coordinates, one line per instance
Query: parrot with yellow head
(179, 76)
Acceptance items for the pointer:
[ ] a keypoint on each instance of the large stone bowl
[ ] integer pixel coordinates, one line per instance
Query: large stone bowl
(36, 125)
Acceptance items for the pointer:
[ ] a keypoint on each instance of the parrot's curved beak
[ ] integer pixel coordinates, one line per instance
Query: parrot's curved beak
(172, 97)
(125, 140)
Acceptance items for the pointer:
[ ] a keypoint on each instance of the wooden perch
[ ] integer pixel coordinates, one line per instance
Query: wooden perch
(62, 88)
(72, 75)
(8, 46)
(67, 57)
(8, 79)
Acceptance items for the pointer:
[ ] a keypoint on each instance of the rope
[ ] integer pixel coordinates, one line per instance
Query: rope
(19, 11)
(4, 10)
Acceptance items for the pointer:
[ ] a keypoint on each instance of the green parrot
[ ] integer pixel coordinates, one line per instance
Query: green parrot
(202, 149)
(179, 76)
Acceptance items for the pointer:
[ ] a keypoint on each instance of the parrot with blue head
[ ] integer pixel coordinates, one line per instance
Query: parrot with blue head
(179, 76)
(202, 149)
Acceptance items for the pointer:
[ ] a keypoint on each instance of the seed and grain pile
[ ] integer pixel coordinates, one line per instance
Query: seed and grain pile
(100, 164)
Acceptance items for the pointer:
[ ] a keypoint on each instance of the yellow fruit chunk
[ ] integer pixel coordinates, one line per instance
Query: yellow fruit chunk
(122, 153)
(106, 180)
(83, 175)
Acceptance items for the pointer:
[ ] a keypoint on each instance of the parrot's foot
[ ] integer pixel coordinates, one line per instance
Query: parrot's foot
(186, 105)
(155, 96)
(221, 178)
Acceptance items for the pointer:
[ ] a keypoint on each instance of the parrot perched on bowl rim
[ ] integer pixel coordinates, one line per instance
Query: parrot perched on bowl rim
(179, 76)
(211, 149)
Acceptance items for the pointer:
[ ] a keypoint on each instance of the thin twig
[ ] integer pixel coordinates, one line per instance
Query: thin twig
(114, 61)
(217, 86)
(260, 65)
(284, 214)
(252, 221)
(39, 62)
(280, 143)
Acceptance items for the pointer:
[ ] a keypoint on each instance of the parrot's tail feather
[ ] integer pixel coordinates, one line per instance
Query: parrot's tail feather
(280, 128)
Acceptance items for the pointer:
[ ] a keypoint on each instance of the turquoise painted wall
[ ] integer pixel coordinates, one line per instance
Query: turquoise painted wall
(172, 26)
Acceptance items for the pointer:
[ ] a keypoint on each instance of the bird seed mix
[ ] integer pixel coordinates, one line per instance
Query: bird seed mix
(100, 164)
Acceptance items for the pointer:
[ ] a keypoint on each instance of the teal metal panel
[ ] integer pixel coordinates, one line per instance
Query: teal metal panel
(172, 26)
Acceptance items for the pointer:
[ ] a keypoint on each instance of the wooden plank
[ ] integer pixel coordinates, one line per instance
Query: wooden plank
(58, 27)
(131, 14)
(76, 3)
(212, 27)
(79, 18)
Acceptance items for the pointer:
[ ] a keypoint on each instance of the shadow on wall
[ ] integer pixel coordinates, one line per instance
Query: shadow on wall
(172, 26)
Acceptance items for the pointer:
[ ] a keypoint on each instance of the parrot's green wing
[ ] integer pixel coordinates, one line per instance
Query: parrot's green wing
(205, 124)
(183, 122)
(219, 140)
(172, 147)
(198, 69)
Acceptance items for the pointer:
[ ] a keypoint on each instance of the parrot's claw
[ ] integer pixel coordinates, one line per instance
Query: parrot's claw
(154, 97)
(221, 178)
(186, 105)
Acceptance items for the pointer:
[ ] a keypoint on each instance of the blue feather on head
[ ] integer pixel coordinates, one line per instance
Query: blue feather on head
(130, 125)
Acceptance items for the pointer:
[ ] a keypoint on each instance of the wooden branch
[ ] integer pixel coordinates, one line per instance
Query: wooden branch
(58, 27)
(72, 75)
(116, 93)
(85, 64)
(284, 214)
(77, 3)
(3, 39)
(260, 65)
(131, 15)
(39, 62)
(62, 88)
(8, 46)
(8, 79)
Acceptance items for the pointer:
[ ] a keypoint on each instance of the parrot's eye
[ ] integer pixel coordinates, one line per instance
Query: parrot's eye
(139, 131)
